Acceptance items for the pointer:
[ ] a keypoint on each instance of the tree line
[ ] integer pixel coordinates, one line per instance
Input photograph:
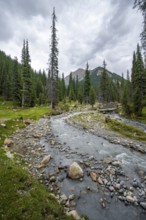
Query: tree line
(26, 87)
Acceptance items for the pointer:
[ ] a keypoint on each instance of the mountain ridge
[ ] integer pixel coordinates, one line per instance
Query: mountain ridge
(95, 75)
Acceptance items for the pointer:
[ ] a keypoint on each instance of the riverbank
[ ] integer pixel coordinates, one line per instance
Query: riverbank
(22, 195)
(102, 126)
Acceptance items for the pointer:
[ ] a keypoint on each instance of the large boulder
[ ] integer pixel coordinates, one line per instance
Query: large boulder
(75, 171)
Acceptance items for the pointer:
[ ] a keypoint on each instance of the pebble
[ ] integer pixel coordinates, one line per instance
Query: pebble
(111, 188)
(131, 199)
(71, 197)
(117, 186)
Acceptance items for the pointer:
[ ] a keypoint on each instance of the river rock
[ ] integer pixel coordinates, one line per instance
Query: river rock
(45, 161)
(71, 197)
(27, 122)
(117, 186)
(116, 163)
(99, 180)
(74, 214)
(131, 199)
(63, 198)
(52, 179)
(36, 135)
(107, 160)
(75, 171)
(93, 176)
(111, 188)
(8, 142)
(143, 204)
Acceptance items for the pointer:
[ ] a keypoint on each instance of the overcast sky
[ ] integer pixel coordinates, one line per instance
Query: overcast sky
(88, 30)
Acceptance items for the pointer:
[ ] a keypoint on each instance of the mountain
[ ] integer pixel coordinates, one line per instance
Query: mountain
(95, 75)
(79, 72)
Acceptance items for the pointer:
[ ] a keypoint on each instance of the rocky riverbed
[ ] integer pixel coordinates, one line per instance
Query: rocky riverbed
(105, 187)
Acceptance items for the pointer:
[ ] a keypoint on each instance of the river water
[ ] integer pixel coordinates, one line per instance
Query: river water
(83, 146)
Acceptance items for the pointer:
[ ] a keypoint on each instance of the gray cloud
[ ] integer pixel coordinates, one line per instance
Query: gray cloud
(88, 30)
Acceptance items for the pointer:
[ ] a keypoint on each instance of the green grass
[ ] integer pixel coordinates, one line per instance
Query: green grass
(126, 130)
(21, 196)
(7, 112)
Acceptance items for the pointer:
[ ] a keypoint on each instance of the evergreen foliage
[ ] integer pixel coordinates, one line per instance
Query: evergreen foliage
(71, 89)
(26, 76)
(138, 82)
(53, 64)
(141, 5)
(104, 85)
(17, 85)
(11, 81)
(80, 95)
(92, 96)
(87, 84)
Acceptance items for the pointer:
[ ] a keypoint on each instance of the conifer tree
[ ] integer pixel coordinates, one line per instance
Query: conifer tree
(53, 63)
(26, 76)
(92, 96)
(80, 95)
(17, 84)
(138, 82)
(63, 88)
(71, 89)
(87, 84)
(104, 84)
(127, 96)
(141, 5)
(77, 87)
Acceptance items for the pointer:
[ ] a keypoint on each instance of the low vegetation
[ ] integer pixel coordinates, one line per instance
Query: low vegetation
(21, 196)
(127, 130)
(90, 120)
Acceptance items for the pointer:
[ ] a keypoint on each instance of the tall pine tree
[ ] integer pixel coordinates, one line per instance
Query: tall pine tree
(26, 76)
(87, 84)
(104, 84)
(138, 82)
(17, 84)
(53, 63)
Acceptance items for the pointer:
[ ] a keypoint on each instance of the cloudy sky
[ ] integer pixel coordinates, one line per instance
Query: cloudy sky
(88, 30)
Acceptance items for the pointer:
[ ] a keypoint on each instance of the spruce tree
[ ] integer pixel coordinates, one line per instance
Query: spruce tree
(138, 83)
(53, 63)
(71, 89)
(141, 5)
(87, 84)
(26, 76)
(92, 96)
(17, 84)
(63, 88)
(80, 95)
(133, 71)
(104, 84)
